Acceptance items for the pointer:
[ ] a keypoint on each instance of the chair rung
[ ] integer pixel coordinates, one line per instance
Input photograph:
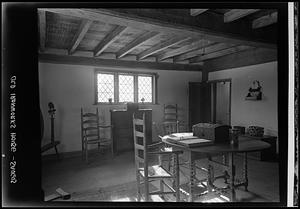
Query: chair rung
(168, 186)
(159, 192)
(160, 177)
(90, 128)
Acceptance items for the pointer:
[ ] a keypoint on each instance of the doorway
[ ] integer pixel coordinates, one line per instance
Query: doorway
(210, 102)
(221, 101)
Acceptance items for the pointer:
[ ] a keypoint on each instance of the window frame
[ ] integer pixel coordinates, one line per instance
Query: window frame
(135, 75)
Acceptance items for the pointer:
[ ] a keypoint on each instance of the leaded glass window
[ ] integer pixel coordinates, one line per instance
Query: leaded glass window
(126, 88)
(121, 86)
(105, 87)
(144, 89)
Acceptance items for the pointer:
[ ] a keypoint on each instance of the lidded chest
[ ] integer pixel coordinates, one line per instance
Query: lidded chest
(216, 132)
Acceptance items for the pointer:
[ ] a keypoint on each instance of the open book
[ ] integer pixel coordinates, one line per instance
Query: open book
(187, 139)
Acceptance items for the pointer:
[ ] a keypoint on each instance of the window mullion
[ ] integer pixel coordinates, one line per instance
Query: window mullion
(135, 83)
(116, 86)
(154, 89)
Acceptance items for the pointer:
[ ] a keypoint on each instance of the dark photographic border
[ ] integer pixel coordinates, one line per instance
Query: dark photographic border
(20, 59)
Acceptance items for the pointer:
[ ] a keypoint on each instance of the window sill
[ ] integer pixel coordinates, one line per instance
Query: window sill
(111, 104)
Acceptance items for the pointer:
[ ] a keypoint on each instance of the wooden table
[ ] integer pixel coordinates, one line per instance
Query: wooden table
(245, 146)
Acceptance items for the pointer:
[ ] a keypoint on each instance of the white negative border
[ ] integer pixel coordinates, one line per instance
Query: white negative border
(291, 124)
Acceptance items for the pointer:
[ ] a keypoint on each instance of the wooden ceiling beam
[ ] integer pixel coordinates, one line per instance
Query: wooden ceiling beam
(245, 58)
(205, 50)
(264, 20)
(112, 63)
(161, 46)
(187, 26)
(109, 38)
(137, 42)
(195, 45)
(235, 14)
(219, 53)
(83, 28)
(195, 12)
(42, 29)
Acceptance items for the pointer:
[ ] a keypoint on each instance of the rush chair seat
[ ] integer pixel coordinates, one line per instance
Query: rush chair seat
(91, 133)
(146, 172)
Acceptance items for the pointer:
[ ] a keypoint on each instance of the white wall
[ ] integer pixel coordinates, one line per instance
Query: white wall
(246, 112)
(70, 87)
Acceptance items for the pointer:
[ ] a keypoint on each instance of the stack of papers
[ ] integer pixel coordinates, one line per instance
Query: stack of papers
(187, 139)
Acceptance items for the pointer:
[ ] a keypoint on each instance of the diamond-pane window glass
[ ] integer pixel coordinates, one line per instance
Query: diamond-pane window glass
(126, 88)
(144, 89)
(105, 84)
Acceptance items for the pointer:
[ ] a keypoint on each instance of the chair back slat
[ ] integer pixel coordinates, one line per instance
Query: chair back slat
(139, 134)
(171, 127)
(170, 112)
(139, 159)
(89, 125)
(140, 142)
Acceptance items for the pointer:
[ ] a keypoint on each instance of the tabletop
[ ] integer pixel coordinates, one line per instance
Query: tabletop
(245, 145)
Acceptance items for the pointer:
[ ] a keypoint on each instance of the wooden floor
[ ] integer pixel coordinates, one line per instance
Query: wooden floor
(74, 175)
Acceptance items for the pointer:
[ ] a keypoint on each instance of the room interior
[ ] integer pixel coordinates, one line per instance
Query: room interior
(215, 66)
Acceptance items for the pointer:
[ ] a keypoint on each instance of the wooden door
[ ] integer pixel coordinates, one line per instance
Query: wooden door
(199, 103)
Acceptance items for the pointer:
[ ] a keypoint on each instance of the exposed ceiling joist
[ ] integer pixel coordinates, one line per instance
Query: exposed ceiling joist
(265, 20)
(184, 49)
(235, 14)
(204, 50)
(42, 28)
(195, 12)
(150, 24)
(219, 53)
(245, 58)
(109, 38)
(83, 28)
(161, 46)
(112, 63)
(137, 42)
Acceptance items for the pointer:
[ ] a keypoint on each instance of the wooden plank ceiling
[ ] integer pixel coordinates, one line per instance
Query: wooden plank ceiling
(177, 36)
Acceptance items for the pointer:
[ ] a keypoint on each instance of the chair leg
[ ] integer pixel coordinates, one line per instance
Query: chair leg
(169, 163)
(173, 169)
(86, 152)
(146, 182)
(82, 150)
(177, 183)
(112, 150)
(138, 187)
(161, 186)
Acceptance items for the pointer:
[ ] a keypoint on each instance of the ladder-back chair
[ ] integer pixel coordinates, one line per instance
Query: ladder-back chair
(146, 173)
(91, 133)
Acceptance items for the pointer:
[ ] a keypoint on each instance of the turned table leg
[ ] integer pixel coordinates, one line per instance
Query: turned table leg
(191, 177)
(245, 171)
(209, 174)
(224, 158)
(232, 175)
